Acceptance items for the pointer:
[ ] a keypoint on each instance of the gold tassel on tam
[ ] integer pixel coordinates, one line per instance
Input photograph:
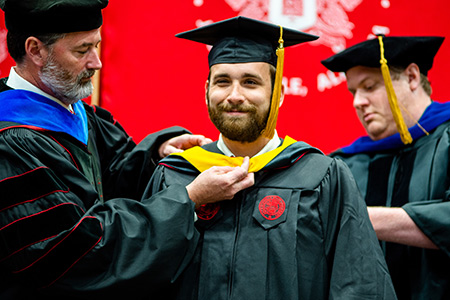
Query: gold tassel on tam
(398, 118)
(275, 102)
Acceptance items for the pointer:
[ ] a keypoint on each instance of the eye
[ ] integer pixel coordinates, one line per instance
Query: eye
(251, 82)
(370, 86)
(81, 51)
(221, 81)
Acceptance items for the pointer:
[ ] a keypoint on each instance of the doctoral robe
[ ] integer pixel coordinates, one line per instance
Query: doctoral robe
(301, 232)
(71, 221)
(415, 177)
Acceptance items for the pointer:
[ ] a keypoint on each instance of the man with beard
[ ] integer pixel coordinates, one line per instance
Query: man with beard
(71, 223)
(302, 231)
(402, 166)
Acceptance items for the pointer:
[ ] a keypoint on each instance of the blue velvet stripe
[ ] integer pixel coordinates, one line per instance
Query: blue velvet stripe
(435, 114)
(28, 108)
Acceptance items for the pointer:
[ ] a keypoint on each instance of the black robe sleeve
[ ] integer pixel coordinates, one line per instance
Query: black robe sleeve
(58, 238)
(433, 219)
(126, 167)
(358, 267)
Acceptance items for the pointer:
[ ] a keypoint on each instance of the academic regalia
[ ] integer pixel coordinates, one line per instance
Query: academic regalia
(417, 178)
(301, 232)
(411, 173)
(71, 223)
(245, 40)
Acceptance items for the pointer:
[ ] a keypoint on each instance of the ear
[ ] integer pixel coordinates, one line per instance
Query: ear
(206, 92)
(36, 51)
(413, 74)
(282, 95)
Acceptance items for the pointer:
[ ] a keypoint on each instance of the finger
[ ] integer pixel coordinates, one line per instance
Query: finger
(246, 163)
(237, 174)
(172, 149)
(246, 182)
(220, 170)
(199, 140)
(205, 141)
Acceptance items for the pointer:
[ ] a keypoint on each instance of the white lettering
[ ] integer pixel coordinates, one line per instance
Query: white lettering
(329, 80)
(294, 86)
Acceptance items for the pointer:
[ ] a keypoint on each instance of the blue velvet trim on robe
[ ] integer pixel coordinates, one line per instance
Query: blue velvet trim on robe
(435, 114)
(29, 108)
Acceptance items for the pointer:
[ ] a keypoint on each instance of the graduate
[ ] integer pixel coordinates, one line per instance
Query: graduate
(302, 231)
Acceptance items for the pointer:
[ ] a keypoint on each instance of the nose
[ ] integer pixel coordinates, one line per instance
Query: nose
(359, 100)
(235, 96)
(94, 61)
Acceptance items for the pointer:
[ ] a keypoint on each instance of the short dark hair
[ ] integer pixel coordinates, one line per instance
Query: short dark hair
(16, 42)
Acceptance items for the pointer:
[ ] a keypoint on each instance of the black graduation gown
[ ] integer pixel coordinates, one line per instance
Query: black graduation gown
(301, 232)
(71, 223)
(416, 178)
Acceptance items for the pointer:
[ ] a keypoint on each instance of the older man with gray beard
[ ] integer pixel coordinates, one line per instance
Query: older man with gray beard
(73, 220)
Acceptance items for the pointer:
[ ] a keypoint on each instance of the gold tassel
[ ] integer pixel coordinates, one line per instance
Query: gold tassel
(398, 118)
(275, 102)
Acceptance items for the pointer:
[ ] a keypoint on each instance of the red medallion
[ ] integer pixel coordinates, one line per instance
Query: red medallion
(207, 211)
(272, 207)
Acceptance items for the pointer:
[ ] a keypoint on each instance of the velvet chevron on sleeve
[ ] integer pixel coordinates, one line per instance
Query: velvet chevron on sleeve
(74, 223)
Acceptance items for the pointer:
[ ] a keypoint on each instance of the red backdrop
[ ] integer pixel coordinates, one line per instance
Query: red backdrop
(151, 80)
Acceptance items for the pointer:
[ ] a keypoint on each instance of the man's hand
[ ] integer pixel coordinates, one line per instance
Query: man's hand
(220, 183)
(181, 143)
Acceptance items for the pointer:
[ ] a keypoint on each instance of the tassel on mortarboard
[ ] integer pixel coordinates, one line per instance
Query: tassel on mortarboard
(398, 118)
(245, 40)
(269, 131)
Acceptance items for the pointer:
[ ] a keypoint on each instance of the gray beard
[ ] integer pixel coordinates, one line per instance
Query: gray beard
(66, 87)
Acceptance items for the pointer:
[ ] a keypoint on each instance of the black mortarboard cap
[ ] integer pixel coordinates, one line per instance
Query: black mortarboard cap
(245, 40)
(241, 40)
(52, 16)
(399, 51)
(395, 51)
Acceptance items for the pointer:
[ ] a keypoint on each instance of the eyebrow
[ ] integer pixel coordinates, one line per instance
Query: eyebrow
(87, 45)
(221, 75)
(245, 75)
(251, 75)
(365, 78)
